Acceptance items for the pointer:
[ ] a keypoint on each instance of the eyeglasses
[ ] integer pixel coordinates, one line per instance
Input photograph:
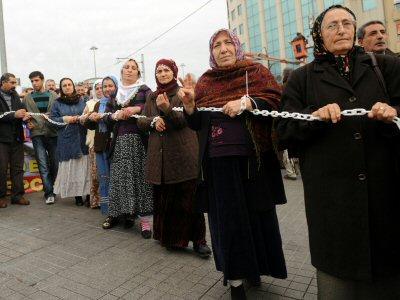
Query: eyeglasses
(334, 26)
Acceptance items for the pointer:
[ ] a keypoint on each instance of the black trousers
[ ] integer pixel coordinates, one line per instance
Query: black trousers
(13, 155)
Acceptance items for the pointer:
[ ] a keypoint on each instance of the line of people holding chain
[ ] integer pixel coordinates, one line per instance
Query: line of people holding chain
(178, 165)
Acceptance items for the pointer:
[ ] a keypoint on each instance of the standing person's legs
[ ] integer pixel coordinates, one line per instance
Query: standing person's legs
(103, 171)
(289, 166)
(17, 174)
(4, 159)
(39, 144)
(51, 147)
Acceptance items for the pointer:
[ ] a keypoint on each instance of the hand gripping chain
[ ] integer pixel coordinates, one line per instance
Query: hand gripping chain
(62, 123)
(295, 115)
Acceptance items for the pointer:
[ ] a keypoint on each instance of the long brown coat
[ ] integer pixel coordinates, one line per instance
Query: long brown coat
(172, 154)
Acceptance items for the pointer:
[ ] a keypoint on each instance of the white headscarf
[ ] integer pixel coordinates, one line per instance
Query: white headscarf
(127, 92)
(94, 89)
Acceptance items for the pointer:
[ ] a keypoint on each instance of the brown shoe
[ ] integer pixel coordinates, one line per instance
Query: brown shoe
(3, 203)
(21, 201)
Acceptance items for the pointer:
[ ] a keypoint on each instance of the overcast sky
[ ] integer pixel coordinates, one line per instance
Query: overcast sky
(55, 36)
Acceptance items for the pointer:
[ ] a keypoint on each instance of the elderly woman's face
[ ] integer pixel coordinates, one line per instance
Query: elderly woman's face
(164, 74)
(130, 72)
(223, 50)
(337, 31)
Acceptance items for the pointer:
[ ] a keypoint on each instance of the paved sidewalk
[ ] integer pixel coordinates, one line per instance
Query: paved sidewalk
(61, 252)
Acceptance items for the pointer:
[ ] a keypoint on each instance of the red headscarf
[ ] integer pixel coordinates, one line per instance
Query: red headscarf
(173, 84)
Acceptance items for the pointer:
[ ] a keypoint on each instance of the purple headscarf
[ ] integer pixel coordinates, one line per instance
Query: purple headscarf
(236, 43)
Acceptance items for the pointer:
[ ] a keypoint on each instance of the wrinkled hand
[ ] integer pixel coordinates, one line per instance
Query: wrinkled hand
(71, 119)
(95, 117)
(382, 112)
(27, 117)
(30, 125)
(330, 112)
(186, 94)
(130, 111)
(160, 125)
(162, 102)
(20, 114)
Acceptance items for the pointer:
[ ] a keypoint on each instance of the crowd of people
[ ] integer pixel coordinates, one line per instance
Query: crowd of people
(128, 152)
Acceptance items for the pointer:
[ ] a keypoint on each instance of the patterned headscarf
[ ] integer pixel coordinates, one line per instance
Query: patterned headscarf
(343, 62)
(173, 84)
(236, 43)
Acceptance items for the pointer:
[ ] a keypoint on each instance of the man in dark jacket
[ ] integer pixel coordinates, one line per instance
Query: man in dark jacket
(11, 141)
(372, 36)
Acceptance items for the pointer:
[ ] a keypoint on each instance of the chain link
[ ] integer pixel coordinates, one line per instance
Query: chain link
(294, 115)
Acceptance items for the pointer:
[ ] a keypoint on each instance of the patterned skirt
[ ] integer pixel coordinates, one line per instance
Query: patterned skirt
(94, 188)
(129, 192)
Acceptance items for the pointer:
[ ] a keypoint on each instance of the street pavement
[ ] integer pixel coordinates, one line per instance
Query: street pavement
(61, 252)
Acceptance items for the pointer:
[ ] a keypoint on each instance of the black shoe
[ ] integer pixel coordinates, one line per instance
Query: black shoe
(128, 223)
(146, 234)
(109, 222)
(78, 201)
(202, 250)
(238, 293)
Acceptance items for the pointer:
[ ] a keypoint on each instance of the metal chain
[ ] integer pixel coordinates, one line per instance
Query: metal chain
(62, 123)
(295, 115)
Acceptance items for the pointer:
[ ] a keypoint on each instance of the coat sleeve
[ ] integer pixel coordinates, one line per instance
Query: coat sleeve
(55, 113)
(193, 120)
(175, 118)
(144, 123)
(294, 99)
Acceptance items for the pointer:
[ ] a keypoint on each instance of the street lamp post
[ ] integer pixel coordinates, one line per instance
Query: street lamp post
(94, 48)
(3, 57)
(183, 69)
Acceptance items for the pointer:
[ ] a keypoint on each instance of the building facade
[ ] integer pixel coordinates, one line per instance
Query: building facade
(268, 26)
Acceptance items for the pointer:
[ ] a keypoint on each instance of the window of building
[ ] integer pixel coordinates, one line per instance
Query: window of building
(289, 25)
(233, 14)
(369, 4)
(241, 29)
(272, 33)
(328, 3)
(309, 12)
(253, 21)
(239, 9)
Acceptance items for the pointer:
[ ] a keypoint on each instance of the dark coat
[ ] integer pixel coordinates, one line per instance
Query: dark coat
(350, 170)
(71, 139)
(266, 177)
(11, 128)
(171, 154)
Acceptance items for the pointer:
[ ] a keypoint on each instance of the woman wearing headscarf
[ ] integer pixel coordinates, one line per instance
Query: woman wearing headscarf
(102, 138)
(171, 166)
(73, 177)
(240, 180)
(129, 193)
(349, 165)
(90, 105)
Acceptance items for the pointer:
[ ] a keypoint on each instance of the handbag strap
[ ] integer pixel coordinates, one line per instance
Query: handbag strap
(378, 72)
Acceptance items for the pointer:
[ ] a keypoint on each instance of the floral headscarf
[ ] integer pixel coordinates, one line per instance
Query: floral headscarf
(343, 62)
(236, 43)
